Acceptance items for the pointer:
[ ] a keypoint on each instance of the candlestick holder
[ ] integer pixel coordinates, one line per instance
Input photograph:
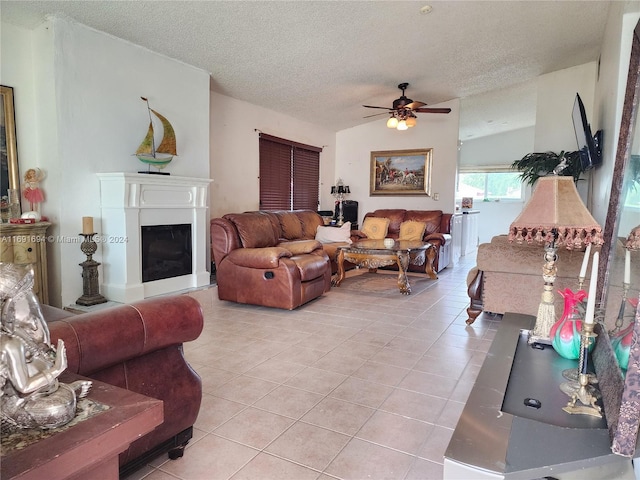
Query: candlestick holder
(583, 390)
(90, 288)
(620, 319)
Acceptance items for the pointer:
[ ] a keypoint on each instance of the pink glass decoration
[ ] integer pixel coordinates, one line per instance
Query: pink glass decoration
(565, 333)
(621, 341)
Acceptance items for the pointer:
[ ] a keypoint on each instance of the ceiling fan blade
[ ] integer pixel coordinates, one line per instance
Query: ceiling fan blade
(371, 106)
(376, 114)
(432, 110)
(414, 105)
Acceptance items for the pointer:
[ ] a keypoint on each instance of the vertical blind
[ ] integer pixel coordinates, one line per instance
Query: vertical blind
(289, 174)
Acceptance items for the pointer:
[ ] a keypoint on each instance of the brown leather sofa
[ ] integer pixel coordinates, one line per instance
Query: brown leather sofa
(270, 258)
(437, 232)
(138, 347)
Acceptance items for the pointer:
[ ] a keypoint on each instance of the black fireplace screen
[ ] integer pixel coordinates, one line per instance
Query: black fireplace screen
(166, 251)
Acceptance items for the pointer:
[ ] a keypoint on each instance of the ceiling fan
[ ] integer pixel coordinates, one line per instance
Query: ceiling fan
(403, 112)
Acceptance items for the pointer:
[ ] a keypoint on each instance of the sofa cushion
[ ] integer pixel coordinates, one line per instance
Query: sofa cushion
(333, 234)
(395, 215)
(255, 230)
(430, 217)
(310, 221)
(290, 225)
(411, 230)
(375, 228)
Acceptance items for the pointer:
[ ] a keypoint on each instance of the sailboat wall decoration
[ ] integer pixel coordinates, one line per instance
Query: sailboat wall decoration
(161, 155)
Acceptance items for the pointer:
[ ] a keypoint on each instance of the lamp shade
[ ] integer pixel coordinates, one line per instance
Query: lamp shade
(555, 212)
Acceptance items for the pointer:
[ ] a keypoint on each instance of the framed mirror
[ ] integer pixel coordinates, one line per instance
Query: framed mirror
(619, 271)
(9, 176)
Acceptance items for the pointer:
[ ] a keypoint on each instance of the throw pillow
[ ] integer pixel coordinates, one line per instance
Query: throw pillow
(334, 234)
(412, 230)
(375, 228)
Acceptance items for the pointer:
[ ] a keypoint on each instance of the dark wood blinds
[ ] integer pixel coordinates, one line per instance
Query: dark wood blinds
(289, 174)
(275, 175)
(306, 171)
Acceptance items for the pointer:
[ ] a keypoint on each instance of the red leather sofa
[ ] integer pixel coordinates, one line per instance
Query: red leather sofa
(437, 232)
(269, 258)
(138, 347)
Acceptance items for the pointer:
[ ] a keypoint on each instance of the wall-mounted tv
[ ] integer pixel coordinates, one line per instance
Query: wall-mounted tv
(590, 146)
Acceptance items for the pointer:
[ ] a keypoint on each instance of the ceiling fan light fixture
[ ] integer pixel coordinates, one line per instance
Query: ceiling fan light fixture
(392, 122)
(402, 125)
(411, 122)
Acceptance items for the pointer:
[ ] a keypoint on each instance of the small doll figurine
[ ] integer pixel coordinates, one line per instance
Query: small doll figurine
(31, 190)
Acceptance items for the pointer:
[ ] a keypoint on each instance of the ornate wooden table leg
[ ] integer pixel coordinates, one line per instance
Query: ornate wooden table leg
(337, 280)
(403, 280)
(475, 297)
(431, 256)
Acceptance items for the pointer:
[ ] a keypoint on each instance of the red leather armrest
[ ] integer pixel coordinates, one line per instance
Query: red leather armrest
(100, 339)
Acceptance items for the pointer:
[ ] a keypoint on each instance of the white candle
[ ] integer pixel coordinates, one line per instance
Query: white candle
(627, 267)
(593, 281)
(585, 261)
(87, 225)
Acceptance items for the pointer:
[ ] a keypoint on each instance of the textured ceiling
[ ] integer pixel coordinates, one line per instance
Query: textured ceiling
(320, 61)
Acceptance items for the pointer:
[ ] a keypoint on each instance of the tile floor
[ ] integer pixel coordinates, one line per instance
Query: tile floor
(347, 386)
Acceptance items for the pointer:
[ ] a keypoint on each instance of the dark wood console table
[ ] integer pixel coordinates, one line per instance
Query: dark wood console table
(498, 437)
(90, 448)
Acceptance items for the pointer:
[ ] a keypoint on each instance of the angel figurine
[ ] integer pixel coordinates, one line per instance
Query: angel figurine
(31, 188)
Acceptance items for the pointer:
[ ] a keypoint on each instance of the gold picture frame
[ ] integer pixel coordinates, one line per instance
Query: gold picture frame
(8, 148)
(401, 172)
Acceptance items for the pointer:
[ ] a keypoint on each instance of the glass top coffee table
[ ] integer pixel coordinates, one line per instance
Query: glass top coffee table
(373, 254)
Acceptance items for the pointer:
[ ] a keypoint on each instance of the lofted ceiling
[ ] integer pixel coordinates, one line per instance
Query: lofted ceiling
(320, 61)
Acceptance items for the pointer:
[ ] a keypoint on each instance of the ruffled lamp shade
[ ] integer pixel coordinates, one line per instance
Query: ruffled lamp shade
(554, 216)
(556, 210)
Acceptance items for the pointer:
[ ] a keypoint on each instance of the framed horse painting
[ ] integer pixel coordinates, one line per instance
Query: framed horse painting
(401, 172)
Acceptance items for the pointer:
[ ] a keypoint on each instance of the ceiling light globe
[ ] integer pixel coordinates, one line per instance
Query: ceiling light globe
(411, 122)
(392, 122)
(402, 125)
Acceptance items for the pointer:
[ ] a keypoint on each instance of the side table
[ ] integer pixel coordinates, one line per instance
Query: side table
(90, 448)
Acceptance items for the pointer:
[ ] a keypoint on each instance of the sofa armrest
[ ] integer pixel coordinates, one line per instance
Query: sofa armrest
(300, 247)
(435, 238)
(445, 223)
(98, 340)
(268, 257)
(357, 235)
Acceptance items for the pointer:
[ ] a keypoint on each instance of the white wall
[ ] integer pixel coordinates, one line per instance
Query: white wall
(235, 162)
(498, 150)
(440, 132)
(88, 118)
(556, 96)
(614, 66)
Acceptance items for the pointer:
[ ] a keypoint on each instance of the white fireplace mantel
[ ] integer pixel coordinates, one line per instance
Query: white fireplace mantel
(130, 201)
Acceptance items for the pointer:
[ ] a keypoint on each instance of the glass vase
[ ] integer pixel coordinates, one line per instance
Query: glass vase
(565, 333)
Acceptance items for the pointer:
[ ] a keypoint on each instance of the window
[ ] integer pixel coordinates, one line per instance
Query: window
(489, 183)
(289, 174)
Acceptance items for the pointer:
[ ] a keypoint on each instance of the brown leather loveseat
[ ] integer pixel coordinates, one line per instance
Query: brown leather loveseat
(269, 258)
(437, 231)
(138, 347)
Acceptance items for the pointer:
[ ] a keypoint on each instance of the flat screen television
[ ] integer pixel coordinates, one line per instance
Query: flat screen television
(590, 146)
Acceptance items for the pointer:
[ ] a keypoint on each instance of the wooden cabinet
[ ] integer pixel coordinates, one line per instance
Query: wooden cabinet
(27, 245)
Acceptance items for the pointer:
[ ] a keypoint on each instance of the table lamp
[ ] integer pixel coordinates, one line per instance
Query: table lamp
(339, 191)
(554, 216)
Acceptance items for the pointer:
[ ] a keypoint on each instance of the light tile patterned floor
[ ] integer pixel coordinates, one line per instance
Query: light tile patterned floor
(347, 386)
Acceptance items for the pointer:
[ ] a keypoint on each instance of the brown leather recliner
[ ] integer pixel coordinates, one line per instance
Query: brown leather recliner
(269, 258)
(138, 347)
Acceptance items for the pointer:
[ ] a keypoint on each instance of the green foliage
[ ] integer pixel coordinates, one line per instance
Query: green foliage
(536, 165)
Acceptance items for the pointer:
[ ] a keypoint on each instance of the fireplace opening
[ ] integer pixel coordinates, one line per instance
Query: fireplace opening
(166, 251)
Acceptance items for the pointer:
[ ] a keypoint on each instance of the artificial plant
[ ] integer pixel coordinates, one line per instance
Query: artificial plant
(536, 165)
